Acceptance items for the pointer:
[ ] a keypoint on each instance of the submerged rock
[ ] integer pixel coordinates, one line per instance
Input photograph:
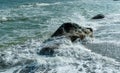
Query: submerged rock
(99, 16)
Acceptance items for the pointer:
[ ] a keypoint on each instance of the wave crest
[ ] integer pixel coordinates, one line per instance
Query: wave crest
(38, 4)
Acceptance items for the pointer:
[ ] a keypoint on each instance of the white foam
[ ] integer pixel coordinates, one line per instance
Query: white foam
(10, 70)
(4, 19)
(39, 4)
(69, 58)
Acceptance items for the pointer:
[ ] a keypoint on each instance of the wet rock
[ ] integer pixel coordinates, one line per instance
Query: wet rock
(46, 51)
(85, 66)
(73, 38)
(66, 28)
(99, 16)
(80, 69)
(71, 31)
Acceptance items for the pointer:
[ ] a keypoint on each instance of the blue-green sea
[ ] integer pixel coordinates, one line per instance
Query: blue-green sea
(22, 20)
(25, 24)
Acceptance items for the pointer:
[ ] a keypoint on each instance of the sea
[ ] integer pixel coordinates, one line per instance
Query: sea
(26, 24)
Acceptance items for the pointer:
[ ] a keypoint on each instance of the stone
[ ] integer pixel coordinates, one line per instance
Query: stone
(71, 31)
(47, 51)
(99, 16)
(65, 28)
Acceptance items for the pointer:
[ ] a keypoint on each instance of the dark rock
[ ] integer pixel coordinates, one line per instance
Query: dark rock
(99, 16)
(66, 28)
(73, 38)
(85, 66)
(80, 69)
(46, 51)
(71, 31)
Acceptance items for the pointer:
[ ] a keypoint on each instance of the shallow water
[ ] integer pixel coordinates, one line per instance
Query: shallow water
(24, 25)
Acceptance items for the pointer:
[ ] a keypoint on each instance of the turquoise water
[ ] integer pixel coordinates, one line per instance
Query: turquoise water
(24, 24)
(21, 20)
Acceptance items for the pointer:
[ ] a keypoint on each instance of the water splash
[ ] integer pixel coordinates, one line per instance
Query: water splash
(68, 58)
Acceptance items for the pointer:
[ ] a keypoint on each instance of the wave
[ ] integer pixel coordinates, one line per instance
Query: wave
(19, 18)
(106, 33)
(5, 19)
(69, 58)
(38, 4)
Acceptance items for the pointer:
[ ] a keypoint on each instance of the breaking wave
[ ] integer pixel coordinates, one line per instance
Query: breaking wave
(69, 58)
(89, 57)
(38, 4)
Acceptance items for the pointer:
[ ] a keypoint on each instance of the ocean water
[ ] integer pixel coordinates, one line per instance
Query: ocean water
(25, 24)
